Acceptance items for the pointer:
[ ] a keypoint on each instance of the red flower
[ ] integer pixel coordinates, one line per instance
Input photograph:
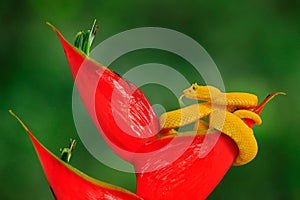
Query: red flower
(126, 120)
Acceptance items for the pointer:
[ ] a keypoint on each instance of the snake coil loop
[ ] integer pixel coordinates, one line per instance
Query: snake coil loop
(229, 120)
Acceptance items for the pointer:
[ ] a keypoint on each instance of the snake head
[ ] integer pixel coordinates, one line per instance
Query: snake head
(199, 92)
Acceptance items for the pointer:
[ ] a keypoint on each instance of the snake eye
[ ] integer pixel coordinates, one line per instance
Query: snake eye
(194, 86)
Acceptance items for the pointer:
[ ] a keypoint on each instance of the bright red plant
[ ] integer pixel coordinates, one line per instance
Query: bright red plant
(188, 177)
(68, 183)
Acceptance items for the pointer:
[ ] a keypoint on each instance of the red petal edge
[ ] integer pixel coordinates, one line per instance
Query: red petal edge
(68, 183)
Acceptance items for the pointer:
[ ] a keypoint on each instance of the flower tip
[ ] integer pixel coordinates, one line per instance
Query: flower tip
(259, 108)
(283, 93)
(54, 28)
(18, 119)
(49, 24)
(272, 95)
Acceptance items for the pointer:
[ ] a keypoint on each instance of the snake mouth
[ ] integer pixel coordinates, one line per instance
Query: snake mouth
(187, 95)
(181, 103)
(190, 94)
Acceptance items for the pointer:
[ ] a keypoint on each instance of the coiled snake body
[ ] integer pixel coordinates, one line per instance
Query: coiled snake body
(225, 112)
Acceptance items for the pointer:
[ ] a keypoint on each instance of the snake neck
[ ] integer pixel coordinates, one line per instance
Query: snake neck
(240, 100)
(230, 101)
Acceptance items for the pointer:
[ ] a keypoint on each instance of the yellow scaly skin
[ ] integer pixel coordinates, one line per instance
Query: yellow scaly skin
(225, 112)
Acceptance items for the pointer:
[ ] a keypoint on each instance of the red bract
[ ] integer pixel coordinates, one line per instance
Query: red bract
(117, 107)
(188, 177)
(68, 183)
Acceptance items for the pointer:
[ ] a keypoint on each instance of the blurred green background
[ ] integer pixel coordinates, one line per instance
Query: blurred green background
(255, 44)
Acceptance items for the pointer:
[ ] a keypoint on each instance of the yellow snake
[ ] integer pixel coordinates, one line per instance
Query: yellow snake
(225, 112)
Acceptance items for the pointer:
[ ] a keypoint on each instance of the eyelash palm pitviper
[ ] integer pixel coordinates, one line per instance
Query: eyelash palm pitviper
(225, 112)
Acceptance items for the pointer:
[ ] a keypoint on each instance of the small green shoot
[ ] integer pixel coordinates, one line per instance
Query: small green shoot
(84, 40)
(66, 153)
